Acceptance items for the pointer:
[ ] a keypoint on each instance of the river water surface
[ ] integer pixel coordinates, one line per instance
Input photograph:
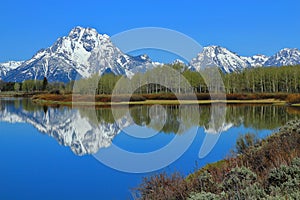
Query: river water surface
(54, 152)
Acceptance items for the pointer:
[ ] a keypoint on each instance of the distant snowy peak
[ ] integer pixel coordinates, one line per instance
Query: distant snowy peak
(80, 54)
(284, 57)
(84, 52)
(11, 64)
(229, 62)
(257, 60)
(8, 66)
(220, 57)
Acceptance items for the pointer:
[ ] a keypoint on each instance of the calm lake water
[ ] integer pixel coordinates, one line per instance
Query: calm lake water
(51, 152)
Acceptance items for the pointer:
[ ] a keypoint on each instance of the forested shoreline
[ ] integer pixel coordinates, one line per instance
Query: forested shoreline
(255, 80)
(254, 83)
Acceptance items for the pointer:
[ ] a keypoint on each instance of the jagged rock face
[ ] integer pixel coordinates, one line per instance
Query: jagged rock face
(80, 54)
(284, 57)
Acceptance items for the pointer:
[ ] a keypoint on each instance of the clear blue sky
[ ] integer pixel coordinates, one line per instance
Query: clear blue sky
(245, 27)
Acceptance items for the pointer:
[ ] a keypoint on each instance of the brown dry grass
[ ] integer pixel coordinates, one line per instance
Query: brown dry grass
(162, 96)
(293, 98)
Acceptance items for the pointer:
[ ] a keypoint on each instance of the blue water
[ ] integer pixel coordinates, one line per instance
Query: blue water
(35, 166)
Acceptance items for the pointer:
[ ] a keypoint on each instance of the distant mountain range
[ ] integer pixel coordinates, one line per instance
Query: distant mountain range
(79, 55)
(85, 52)
(229, 62)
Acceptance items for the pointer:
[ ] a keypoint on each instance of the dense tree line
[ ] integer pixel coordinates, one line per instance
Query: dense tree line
(256, 80)
(264, 80)
(36, 86)
(178, 80)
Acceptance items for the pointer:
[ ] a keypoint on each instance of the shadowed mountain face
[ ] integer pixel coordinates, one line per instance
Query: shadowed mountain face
(86, 131)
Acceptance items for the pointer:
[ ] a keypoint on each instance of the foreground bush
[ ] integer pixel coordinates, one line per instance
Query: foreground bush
(269, 169)
(163, 186)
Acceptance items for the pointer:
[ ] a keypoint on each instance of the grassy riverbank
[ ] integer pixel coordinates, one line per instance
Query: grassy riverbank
(20, 94)
(167, 99)
(260, 169)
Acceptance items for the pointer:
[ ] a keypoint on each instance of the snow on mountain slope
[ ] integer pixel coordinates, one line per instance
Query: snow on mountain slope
(229, 62)
(257, 60)
(67, 126)
(284, 57)
(80, 54)
(8, 66)
(220, 57)
(84, 52)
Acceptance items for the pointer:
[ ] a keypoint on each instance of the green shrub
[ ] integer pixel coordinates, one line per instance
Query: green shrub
(285, 180)
(206, 183)
(204, 196)
(237, 180)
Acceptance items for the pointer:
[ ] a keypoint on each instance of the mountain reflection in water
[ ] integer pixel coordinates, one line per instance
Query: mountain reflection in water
(87, 130)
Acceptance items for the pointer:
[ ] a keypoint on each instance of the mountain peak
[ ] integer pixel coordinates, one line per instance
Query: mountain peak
(84, 52)
(80, 54)
(78, 30)
(286, 56)
(220, 57)
(214, 48)
(289, 49)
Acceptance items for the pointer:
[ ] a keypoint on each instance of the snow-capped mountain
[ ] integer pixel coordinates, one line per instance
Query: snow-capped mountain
(284, 57)
(84, 52)
(67, 126)
(229, 62)
(221, 57)
(80, 54)
(8, 66)
(257, 60)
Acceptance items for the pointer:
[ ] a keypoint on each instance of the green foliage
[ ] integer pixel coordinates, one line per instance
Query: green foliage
(203, 196)
(236, 182)
(285, 179)
(17, 87)
(264, 79)
(4, 86)
(28, 85)
(256, 80)
(45, 84)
